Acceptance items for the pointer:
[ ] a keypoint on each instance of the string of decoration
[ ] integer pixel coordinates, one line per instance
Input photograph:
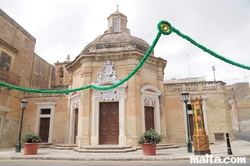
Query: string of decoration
(165, 28)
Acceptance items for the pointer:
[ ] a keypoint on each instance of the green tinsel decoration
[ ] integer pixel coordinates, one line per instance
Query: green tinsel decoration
(209, 51)
(165, 28)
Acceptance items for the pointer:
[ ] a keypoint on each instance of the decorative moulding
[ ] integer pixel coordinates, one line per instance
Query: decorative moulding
(108, 75)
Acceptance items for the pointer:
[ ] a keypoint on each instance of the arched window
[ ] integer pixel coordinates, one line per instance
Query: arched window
(116, 24)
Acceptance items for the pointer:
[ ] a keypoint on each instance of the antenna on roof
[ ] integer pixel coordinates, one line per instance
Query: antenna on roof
(189, 69)
(213, 72)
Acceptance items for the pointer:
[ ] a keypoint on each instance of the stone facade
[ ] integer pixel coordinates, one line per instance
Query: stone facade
(144, 101)
(239, 99)
(18, 45)
(20, 66)
(217, 117)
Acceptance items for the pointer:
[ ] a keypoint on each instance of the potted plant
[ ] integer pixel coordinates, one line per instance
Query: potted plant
(31, 142)
(148, 140)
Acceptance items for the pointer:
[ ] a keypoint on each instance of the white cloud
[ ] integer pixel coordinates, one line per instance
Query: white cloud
(65, 27)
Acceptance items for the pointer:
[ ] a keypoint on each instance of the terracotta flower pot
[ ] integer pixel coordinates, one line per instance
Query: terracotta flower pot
(149, 149)
(30, 148)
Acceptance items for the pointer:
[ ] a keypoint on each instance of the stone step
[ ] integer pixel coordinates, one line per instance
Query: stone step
(164, 146)
(81, 150)
(44, 145)
(63, 146)
(105, 149)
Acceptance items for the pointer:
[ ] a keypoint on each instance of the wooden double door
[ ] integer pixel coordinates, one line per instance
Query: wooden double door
(109, 123)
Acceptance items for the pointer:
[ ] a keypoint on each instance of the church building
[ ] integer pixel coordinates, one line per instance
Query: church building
(100, 117)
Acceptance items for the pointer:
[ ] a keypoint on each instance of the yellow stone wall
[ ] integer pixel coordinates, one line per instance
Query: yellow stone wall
(149, 74)
(19, 44)
(61, 117)
(216, 107)
(34, 72)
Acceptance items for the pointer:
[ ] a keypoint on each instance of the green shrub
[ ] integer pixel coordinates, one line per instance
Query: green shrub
(150, 136)
(31, 138)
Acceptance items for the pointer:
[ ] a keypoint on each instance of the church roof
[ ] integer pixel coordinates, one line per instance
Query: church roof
(116, 39)
(116, 42)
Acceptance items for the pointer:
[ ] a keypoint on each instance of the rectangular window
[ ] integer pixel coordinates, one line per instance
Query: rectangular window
(5, 60)
(219, 136)
(45, 111)
(116, 21)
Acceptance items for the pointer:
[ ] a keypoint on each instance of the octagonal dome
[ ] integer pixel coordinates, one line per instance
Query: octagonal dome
(116, 39)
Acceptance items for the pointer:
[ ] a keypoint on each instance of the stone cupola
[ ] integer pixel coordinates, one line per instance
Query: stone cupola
(116, 39)
(117, 23)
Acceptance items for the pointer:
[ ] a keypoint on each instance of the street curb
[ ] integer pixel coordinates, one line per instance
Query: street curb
(105, 159)
(92, 159)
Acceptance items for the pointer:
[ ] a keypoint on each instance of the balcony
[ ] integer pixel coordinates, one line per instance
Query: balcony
(9, 77)
(194, 86)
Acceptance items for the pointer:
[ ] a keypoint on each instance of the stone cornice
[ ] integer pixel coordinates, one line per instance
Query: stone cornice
(9, 46)
(15, 24)
(131, 55)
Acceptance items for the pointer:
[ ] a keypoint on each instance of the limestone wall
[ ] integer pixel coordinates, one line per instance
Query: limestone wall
(151, 73)
(59, 118)
(243, 110)
(215, 108)
(238, 90)
(18, 45)
(26, 69)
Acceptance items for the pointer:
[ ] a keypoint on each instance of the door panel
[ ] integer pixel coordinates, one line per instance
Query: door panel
(109, 123)
(149, 118)
(44, 129)
(76, 124)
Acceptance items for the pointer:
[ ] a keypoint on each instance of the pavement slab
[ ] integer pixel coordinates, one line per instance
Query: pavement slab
(239, 148)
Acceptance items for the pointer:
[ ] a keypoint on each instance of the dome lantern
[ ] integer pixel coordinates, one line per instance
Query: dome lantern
(116, 39)
(117, 23)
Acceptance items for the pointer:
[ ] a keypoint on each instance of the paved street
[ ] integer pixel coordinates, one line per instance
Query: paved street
(242, 135)
(107, 163)
(166, 157)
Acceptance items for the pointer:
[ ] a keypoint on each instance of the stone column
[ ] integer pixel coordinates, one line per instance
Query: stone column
(133, 105)
(84, 121)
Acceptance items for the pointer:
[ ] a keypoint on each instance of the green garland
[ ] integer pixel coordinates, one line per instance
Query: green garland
(172, 29)
(67, 91)
(165, 28)
(210, 51)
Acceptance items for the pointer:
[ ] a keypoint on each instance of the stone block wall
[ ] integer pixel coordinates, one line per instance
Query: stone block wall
(41, 73)
(60, 116)
(243, 110)
(19, 45)
(215, 108)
